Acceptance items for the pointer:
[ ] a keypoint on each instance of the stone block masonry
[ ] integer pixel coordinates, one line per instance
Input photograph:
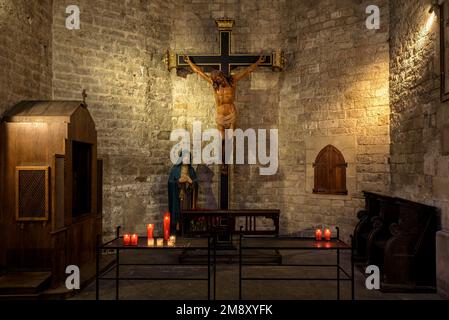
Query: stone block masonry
(117, 57)
(360, 90)
(334, 91)
(335, 88)
(419, 169)
(25, 51)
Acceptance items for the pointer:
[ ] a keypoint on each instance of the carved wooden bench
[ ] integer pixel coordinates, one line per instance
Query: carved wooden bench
(369, 221)
(398, 236)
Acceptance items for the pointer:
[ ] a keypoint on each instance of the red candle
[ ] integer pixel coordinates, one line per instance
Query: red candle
(166, 226)
(318, 234)
(327, 234)
(150, 229)
(134, 239)
(126, 240)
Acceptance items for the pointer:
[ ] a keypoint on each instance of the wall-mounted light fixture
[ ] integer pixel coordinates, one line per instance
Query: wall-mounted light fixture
(436, 5)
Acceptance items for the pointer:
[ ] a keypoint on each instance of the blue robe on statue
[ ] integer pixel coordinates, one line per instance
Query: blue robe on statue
(174, 203)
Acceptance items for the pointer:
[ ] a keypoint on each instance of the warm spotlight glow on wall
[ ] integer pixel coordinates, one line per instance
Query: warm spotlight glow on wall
(423, 38)
(430, 21)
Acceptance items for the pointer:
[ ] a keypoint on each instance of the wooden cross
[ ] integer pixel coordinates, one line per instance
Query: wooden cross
(225, 61)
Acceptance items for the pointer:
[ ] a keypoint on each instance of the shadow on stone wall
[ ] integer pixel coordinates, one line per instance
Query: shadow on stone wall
(207, 198)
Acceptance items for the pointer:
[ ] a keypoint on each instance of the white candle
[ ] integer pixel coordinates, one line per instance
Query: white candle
(160, 242)
(150, 242)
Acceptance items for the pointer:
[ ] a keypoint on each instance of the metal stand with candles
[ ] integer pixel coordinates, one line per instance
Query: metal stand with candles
(174, 244)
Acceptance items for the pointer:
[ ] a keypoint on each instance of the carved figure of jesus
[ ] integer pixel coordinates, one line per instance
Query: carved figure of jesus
(224, 92)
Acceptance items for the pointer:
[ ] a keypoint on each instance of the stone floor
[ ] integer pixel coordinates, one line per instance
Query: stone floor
(227, 281)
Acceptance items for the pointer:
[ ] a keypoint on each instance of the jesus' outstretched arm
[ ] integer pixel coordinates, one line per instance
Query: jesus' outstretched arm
(196, 69)
(247, 71)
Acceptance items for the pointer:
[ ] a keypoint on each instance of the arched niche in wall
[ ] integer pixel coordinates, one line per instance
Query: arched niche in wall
(330, 172)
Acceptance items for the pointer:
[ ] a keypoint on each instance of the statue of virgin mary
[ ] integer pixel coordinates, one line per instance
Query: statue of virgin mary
(182, 190)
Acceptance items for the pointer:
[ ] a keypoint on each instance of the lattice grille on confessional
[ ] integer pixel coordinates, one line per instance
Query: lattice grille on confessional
(31, 193)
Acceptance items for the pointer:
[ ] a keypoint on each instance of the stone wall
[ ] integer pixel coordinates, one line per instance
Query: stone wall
(335, 91)
(257, 29)
(339, 86)
(419, 171)
(117, 57)
(339, 98)
(25, 51)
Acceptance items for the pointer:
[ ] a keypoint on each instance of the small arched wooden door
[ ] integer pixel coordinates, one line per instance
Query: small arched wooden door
(330, 172)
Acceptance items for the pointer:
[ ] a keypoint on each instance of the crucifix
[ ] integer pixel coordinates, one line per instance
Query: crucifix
(224, 82)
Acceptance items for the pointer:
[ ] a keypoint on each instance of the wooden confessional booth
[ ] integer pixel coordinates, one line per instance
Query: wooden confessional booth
(51, 188)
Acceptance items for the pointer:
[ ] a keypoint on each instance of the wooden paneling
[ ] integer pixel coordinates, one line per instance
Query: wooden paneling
(330, 172)
(322, 177)
(398, 236)
(100, 187)
(59, 192)
(42, 134)
(60, 250)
